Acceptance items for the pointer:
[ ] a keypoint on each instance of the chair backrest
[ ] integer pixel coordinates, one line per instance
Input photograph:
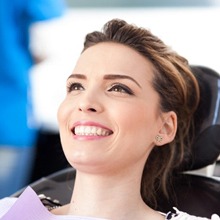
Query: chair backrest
(194, 194)
(58, 185)
(206, 147)
(200, 195)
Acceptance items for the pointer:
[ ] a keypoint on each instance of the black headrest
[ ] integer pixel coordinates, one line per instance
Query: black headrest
(206, 146)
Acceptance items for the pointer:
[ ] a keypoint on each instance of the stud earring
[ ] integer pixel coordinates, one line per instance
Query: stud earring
(158, 138)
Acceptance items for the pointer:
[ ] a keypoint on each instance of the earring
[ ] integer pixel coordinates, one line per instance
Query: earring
(158, 138)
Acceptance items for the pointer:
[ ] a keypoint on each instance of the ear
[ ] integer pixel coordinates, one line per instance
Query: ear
(168, 130)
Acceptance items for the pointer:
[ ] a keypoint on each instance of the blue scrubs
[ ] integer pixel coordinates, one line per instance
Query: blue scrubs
(17, 128)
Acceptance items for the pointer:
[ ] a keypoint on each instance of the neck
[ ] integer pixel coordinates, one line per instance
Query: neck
(110, 197)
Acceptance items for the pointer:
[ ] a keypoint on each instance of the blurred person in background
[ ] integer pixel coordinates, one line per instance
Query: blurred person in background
(18, 131)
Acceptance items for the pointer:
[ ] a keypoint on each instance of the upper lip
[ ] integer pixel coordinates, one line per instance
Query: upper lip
(102, 129)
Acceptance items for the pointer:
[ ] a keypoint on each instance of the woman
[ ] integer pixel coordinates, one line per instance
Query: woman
(124, 124)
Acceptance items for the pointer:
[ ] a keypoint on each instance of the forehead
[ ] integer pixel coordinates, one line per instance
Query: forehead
(113, 51)
(109, 57)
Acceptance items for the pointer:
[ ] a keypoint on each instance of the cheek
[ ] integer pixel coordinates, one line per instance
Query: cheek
(63, 113)
(136, 116)
(139, 123)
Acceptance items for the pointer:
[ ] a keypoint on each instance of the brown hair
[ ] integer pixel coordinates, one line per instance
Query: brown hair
(178, 91)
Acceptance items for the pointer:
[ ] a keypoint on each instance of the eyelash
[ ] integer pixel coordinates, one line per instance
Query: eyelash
(74, 87)
(121, 88)
(118, 87)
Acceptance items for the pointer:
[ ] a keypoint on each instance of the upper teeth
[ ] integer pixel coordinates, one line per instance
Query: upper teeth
(91, 130)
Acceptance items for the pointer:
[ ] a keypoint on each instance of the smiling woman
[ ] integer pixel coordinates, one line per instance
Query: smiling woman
(124, 125)
(97, 101)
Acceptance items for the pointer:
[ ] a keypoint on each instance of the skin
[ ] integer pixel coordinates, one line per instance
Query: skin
(111, 90)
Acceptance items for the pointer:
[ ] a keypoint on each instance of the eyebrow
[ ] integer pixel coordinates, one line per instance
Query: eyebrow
(114, 76)
(106, 77)
(78, 76)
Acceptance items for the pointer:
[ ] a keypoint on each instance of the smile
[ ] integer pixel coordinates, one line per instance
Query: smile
(91, 131)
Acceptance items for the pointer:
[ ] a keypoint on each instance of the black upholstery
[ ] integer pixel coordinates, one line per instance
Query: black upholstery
(200, 195)
(206, 147)
(57, 186)
(194, 194)
(197, 195)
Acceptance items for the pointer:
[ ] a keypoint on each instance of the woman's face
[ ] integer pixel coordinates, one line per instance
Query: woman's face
(110, 116)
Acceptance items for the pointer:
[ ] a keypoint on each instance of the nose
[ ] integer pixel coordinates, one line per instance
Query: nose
(90, 103)
(87, 109)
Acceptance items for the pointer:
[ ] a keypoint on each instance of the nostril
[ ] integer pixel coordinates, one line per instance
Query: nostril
(88, 109)
(92, 110)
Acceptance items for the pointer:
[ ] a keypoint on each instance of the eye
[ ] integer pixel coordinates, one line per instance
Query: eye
(121, 88)
(74, 87)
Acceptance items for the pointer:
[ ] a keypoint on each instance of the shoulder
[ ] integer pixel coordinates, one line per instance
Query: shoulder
(6, 204)
(179, 215)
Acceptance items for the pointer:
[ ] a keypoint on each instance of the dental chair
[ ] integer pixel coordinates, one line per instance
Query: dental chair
(196, 194)
(200, 194)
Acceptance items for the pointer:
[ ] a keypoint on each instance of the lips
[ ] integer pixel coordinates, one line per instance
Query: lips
(91, 130)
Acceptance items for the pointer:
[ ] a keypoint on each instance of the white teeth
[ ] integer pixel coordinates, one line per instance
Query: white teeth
(91, 131)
